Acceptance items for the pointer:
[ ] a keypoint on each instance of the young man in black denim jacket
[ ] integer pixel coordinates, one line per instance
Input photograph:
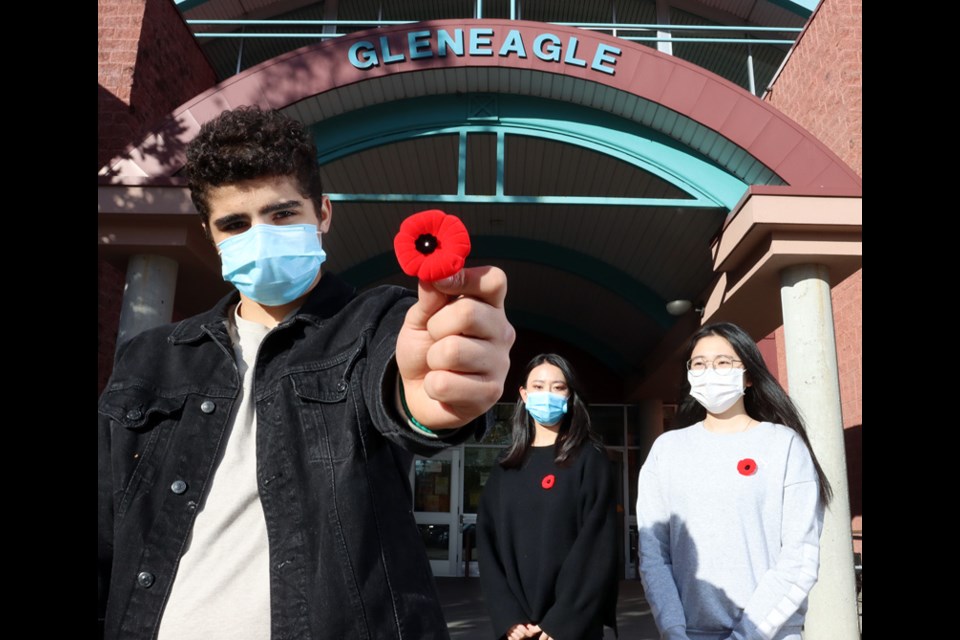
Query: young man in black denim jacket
(253, 459)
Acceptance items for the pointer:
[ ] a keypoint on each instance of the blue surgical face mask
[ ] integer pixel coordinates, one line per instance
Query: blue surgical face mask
(545, 407)
(272, 264)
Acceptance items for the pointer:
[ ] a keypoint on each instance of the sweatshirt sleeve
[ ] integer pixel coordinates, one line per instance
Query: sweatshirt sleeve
(656, 563)
(502, 607)
(587, 579)
(783, 589)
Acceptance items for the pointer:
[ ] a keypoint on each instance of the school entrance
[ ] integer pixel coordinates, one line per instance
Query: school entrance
(610, 174)
(448, 486)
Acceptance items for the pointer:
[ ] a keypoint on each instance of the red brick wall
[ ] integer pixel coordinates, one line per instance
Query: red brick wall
(820, 88)
(821, 85)
(848, 325)
(148, 64)
(118, 37)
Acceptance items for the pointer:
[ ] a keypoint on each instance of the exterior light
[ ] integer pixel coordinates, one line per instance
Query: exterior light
(679, 307)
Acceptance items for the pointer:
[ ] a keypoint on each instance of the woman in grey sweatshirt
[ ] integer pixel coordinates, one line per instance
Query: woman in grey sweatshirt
(730, 507)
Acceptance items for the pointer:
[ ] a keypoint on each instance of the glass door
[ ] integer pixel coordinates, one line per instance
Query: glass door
(436, 505)
(624, 535)
(477, 464)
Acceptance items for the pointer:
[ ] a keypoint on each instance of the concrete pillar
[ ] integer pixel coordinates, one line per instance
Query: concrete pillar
(147, 295)
(815, 388)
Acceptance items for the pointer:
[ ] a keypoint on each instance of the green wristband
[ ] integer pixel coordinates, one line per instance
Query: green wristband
(406, 410)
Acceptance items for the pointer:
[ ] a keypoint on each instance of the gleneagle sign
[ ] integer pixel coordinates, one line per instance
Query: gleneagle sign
(478, 42)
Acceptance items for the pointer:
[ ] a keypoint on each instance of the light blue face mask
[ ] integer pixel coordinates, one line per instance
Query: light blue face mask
(272, 264)
(545, 407)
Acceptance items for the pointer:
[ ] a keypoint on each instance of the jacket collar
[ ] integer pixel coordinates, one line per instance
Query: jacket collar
(324, 301)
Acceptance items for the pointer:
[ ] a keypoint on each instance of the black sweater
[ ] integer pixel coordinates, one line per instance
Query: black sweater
(547, 541)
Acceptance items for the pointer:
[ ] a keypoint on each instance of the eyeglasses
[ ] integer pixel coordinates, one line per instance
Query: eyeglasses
(721, 364)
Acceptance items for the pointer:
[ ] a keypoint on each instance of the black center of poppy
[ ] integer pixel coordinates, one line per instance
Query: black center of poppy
(426, 244)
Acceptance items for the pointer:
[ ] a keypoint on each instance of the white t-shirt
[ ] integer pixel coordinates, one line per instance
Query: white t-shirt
(222, 586)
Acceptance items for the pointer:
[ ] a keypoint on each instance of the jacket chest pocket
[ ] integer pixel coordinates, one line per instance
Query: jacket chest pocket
(144, 422)
(326, 401)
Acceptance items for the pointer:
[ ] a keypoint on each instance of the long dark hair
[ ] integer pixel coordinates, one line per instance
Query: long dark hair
(765, 399)
(574, 427)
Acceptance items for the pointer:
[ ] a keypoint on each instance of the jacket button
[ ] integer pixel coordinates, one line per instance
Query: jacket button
(208, 406)
(178, 487)
(134, 414)
(191, 506)
(145, 579)
(341, 386)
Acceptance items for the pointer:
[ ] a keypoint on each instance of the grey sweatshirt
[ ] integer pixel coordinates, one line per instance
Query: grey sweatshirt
(729, 532)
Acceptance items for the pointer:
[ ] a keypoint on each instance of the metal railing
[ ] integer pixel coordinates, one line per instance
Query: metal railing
(661, 34)
(613, 28)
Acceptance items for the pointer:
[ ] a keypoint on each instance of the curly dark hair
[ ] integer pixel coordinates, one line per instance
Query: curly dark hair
(248, 143)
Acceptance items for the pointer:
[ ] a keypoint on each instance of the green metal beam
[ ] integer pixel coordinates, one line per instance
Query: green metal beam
(502, 199)
(594, 270)
(573, 335)
(707, 184)
(186, 5)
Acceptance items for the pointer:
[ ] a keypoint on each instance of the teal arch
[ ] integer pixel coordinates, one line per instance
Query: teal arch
(488, 247)
(573, 335)
(707, 184)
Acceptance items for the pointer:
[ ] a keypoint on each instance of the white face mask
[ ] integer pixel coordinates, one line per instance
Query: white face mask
(714, 391)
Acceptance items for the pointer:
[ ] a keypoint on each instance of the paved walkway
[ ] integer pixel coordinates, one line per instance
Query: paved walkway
(467, 618)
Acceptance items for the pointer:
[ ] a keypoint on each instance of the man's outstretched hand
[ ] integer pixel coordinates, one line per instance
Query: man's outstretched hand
(453, 350)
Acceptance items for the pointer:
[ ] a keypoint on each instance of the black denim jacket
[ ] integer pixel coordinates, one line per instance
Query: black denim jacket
(333, 457)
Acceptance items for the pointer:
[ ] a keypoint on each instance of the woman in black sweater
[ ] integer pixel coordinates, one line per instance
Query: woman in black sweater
(547, 519)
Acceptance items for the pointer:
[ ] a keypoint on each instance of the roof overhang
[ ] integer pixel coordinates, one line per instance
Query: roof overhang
(771, 229)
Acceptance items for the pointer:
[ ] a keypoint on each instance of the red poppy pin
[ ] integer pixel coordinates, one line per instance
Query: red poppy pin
(747, 467)
(432, 245)
(548, 480)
